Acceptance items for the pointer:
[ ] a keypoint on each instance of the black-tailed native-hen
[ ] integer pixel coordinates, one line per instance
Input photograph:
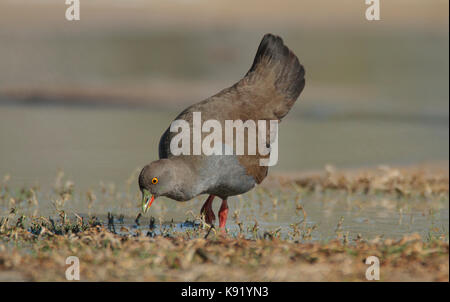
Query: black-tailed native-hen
(267, 92)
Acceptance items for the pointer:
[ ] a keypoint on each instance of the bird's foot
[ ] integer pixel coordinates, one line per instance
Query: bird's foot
(209, 216)
(208, 211)
(223, 214)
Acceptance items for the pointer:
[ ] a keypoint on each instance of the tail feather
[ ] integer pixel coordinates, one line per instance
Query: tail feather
(274, 57)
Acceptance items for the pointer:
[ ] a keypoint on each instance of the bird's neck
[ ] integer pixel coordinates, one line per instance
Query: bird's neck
(186, 182)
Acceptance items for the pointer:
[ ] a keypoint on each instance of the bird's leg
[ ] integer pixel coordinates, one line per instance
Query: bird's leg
(223, 214)
(208, 211)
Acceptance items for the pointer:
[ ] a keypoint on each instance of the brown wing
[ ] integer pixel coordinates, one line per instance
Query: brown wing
(267, 92)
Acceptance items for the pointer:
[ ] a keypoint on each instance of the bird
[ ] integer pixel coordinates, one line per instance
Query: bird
(267, 92)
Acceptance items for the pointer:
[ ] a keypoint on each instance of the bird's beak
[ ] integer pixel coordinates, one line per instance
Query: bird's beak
(147, 200)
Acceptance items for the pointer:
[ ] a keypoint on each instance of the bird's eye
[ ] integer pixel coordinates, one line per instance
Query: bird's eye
(154, 180)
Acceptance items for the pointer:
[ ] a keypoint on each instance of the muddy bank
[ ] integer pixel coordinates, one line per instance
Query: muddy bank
(109, 257)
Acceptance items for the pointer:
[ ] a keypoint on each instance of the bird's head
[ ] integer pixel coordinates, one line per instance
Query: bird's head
(155, 180)
(165, 177)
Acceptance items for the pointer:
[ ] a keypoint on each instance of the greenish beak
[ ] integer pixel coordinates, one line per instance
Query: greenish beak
(147, 200)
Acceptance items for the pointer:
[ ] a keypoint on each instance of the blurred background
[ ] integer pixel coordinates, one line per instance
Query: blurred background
(92, 97)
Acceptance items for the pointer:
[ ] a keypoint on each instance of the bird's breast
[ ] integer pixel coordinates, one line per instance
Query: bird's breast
(224, 176)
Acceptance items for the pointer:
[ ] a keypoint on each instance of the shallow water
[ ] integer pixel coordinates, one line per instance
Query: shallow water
(103, 149)
(327, 215)
(338, 217)
(109, 144)
(372, 97)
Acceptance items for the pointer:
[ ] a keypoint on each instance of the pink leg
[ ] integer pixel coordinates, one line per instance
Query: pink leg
(223, 214)
(207, 210)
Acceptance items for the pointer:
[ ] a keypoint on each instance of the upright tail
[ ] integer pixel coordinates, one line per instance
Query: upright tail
(277, 65)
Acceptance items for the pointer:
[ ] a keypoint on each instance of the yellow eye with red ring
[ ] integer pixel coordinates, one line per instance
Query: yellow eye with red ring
(154, 180)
